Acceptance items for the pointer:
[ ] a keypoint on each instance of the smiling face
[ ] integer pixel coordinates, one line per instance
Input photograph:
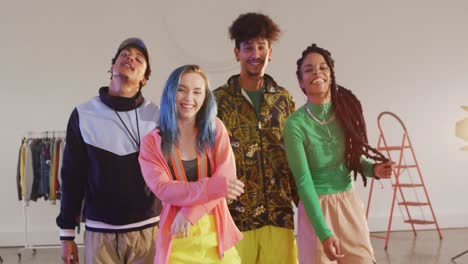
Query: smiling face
(253, 56)
(130, 65)
(190, 96)
(315, 78)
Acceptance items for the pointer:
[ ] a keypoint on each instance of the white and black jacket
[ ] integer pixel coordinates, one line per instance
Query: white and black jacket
(100, 166)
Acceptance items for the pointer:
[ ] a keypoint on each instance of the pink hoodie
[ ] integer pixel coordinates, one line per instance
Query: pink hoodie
(195, 199)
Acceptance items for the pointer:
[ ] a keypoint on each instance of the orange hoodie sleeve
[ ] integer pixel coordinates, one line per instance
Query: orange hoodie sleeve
(156, 173)
(222, 163)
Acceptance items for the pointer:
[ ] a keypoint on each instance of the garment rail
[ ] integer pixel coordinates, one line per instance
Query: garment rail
(51, 134)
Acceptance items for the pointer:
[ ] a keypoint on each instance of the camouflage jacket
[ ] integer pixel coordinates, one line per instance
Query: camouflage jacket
(257, 142)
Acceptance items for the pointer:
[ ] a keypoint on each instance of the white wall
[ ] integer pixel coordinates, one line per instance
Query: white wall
(409, 57)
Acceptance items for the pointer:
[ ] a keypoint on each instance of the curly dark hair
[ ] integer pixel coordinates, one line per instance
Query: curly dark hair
(348, 111)
(253, 25)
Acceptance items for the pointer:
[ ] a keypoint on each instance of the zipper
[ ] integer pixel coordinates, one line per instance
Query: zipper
(262, 167)
(261, 159)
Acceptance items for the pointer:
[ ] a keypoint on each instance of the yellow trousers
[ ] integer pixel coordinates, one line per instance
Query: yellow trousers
(268, 245)
(201, 246)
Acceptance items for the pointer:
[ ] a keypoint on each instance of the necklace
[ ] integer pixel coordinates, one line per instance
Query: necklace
(128, 130)
(321, 122)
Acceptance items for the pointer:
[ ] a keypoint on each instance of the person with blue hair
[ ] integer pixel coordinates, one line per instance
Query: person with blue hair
(188, 163)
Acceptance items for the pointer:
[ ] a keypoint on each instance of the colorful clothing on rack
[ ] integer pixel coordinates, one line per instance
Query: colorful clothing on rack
(38, 163)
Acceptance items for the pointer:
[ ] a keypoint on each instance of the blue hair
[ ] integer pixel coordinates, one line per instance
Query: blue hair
(205, 119)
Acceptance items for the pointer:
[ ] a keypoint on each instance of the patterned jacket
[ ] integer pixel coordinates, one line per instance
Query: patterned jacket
(257, 142)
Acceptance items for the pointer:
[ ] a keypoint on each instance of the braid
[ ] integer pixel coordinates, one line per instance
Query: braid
(348, 111)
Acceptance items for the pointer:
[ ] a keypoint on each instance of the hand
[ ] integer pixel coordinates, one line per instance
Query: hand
(69, 252)
(331, 246)
(383, 170)
(235, 188)
(180, 226)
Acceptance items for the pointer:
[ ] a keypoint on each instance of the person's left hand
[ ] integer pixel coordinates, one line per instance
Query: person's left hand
(331, 247)
(181, 225)
(383, 170)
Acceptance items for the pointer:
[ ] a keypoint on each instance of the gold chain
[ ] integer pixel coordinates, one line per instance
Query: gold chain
(320, 122)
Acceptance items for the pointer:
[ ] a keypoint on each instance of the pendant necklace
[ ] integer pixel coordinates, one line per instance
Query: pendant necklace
(322, 122)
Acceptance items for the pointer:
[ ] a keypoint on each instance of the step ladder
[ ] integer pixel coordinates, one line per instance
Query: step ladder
(408, 190)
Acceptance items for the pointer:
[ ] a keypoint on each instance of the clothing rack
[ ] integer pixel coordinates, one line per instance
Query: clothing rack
(27, 244)
(45, 134)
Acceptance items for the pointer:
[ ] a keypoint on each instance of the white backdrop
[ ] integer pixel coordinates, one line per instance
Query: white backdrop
(409, 57)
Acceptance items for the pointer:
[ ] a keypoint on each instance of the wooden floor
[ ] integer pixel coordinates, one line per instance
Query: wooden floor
(404, 248)
(425, 248)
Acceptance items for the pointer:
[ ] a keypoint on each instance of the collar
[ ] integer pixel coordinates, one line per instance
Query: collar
(269, 85)
(119, 103)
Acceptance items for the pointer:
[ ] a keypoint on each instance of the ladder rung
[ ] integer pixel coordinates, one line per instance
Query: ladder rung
(406, 166)
(419, 222)
(376, 236)
(392, 148)
(413, 203)
(408, 185)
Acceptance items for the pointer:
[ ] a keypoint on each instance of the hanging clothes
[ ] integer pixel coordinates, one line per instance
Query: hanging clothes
(38, 168)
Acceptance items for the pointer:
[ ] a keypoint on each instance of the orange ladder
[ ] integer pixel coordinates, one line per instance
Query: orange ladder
(403, 182)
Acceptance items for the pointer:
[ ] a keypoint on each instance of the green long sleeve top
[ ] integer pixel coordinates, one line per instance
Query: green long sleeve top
(315, 154)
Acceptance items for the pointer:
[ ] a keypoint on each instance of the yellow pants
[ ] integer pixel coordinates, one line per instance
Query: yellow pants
(268, 244)
(201, 246)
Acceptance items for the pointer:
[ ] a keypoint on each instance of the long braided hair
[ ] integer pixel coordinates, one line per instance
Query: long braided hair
(348, 111)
